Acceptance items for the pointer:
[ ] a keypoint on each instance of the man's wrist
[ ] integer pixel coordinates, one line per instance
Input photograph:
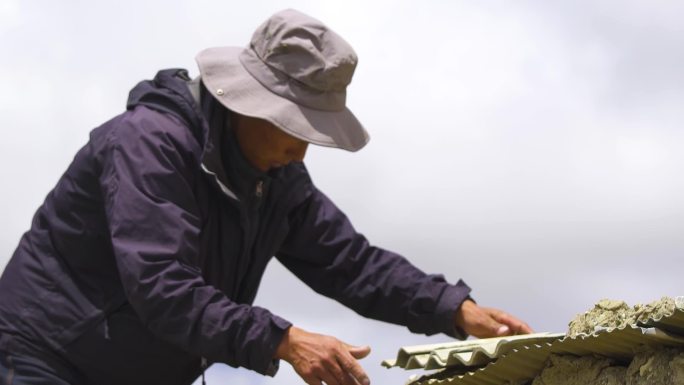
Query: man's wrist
(283, 348)
(459, 326)
(448, 304)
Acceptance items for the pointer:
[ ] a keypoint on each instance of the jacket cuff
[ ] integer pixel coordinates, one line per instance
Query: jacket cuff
(449, 302)
(279, 327)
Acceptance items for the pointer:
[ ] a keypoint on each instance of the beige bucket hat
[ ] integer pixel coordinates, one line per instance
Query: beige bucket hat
(294, 74)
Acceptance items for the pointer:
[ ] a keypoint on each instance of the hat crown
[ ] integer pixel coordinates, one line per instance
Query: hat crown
(305, 50)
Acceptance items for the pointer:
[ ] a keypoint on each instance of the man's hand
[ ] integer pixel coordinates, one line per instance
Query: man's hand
(483, 322)
(317, 358)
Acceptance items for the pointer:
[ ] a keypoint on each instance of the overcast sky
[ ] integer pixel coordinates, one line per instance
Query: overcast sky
(532, 148)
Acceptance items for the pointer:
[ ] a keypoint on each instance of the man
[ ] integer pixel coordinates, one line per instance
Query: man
(142, 264)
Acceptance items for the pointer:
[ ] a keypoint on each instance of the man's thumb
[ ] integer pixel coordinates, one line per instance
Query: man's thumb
(359, 352)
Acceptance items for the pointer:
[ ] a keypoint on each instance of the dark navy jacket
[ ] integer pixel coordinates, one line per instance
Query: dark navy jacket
(146, 257)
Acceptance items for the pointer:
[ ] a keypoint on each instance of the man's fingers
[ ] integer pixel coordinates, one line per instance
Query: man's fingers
(502, 330)
(332, 377)
(516, 326)
(342, 375)
(484, 322)
(359, 352)
(495, 328)
(317, 358)
(352, 367)
(309, 377)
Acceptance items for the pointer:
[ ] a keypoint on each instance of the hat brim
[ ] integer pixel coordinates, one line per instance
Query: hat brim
(230, 83)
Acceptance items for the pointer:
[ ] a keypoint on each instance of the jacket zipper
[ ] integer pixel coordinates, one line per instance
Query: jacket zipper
(204, 369)
(259, 190)
(223, 187)
(106, 328)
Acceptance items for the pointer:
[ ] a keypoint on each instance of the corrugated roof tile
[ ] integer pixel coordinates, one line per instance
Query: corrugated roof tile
(507, 360)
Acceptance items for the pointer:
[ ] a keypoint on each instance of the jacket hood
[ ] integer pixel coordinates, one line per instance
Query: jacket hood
(168, 92)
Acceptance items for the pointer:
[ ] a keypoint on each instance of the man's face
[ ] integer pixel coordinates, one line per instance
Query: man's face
(264, 145)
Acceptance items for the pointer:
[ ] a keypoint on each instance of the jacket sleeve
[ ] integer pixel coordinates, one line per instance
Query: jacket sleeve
(323, 250)
(147, 181)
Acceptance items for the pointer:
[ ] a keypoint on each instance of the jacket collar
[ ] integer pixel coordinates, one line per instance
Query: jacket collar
(222, 156)
(214, 117)
(249, 183)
